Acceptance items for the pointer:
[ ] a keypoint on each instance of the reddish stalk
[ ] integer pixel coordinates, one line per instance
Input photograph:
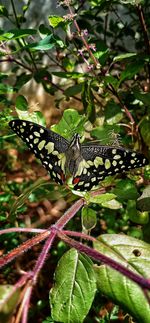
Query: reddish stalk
(96, 255)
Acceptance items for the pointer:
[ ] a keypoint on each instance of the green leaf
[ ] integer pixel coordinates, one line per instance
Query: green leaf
(105, 133)
(68, 64)
(142, 217)
(143, 97)
(5, 89)
(102, 56)
(71, 122)
(74, 288)
(44, 44)
(3, 11)
(22, 80)
(113, 113)
(134, 215)
(21, 103)
(121, 57)
(23, 114)
(24, 196)
(17, 33)
(145, 133)
(133, 254)
(99, 199)
(8, 304)
(126, 190)
(131, 70)
(112, 204)
(143, 202)
(109, 79)
(5, 197)
(56, 21)
(147, 172)
(88, 218)
(132, 2)
(44, 30)
(88, 101)
(73, 90)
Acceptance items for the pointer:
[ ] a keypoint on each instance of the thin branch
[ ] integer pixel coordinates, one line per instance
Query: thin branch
(23, 247)
(127, 112)
(95, 61)
(67, 216)
(144, 28)
(79, 235)
(26, 303)
(22, 230)
(141, 281)
(145, 33)
(15, 14)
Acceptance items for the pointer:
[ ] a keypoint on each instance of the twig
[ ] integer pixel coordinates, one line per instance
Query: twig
(145, 33)
(142, 282)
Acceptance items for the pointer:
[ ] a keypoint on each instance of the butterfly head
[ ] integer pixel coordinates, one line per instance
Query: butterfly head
(75, 142)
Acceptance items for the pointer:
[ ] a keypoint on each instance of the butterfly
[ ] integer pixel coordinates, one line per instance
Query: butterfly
(87, 165)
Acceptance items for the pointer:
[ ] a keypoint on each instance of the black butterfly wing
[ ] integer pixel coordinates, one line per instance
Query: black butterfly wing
(102, 161)
(47, 145)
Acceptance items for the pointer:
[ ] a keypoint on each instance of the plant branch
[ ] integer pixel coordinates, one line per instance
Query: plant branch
(95, 61)
(127, 112)
(23, 247)
(26, 303)
(22, 230)
(67, 216)
(94, 254)
(78, 234)
(145, 32)
(15, 14)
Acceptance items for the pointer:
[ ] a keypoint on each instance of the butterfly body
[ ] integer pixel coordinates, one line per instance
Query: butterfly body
(87, 165)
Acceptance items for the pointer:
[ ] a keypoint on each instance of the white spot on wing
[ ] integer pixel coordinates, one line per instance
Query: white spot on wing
(120, 162)
(50, 147)
(55, 152)
(107, 164)
(87, 184)
(114, 163)
(36, 140)
(41, 144)
(97, 161)
(21, 130)
(37, 134)
(117, 156)
(114, 151)
(84, 170)
(41, 130)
